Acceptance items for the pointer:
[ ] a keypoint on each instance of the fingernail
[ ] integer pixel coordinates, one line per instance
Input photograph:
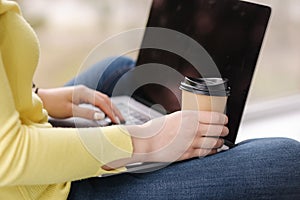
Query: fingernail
(99, 116)
(118, 120)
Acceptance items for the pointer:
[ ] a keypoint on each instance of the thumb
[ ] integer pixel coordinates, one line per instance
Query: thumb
(87, 113)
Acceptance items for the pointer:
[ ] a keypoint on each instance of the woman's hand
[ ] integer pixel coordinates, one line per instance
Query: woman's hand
(179, 136)
(64, 102)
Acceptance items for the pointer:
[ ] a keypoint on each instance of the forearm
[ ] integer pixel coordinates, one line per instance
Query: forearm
(48, 155)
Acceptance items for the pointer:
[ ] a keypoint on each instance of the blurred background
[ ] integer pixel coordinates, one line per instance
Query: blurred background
(69, 29)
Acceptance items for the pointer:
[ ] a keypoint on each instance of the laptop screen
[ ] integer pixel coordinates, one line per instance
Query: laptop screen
(232, 33)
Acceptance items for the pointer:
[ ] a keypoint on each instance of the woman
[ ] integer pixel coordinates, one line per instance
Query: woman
(40, 162)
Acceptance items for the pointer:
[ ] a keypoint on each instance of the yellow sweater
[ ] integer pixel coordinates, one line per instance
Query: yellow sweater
(38, 161)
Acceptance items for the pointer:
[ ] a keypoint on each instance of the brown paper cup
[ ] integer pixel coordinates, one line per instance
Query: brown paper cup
(203, 95)
(191, 101)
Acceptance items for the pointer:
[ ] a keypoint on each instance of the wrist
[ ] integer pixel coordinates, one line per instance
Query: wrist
(140, 149)
(141, 146)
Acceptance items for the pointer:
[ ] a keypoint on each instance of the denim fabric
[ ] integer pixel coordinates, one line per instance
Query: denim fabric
(254, 169)
(104, 75)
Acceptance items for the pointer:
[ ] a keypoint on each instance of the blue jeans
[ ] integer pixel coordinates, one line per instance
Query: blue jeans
(254, 169)
(104, 75)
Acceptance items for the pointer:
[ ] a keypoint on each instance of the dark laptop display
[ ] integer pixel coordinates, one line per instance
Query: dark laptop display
(231, 32)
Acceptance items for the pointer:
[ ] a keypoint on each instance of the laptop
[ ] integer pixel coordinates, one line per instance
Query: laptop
(230, 32)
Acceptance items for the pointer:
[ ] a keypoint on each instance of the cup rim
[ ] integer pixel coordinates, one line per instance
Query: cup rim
(214, 88)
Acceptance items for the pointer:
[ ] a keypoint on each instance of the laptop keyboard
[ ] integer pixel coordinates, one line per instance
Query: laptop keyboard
(131, 115)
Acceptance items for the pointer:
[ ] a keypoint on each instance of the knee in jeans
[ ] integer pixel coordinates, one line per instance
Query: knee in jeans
(288, 148)
(274, 146)
(285, 143)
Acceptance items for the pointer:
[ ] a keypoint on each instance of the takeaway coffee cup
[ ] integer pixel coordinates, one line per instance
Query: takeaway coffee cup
(205, 94)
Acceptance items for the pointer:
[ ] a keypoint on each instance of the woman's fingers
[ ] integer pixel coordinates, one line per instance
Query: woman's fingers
(211, 124)
(213, 130)
(212, 118)
(202, 147)
(100, 100)
(87, 113)
(114, 110)
(118, 113)
(104, 103)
